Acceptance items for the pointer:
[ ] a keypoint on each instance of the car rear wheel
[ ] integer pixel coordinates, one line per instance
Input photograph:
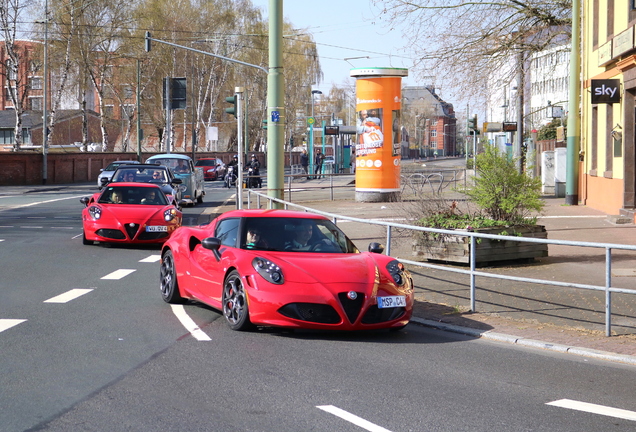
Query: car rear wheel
(234, 302)
(169, 285)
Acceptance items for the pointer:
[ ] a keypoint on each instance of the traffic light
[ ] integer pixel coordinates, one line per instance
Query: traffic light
(232, 100)
(472, 123)
(147, 40)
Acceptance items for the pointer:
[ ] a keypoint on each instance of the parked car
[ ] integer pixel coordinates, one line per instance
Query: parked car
(129, 213)
(213, 168)
(183, 168)
(110, 169)
(151, 173)
(285, 268)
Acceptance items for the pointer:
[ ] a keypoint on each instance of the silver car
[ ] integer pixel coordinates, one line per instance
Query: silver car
(110, 169)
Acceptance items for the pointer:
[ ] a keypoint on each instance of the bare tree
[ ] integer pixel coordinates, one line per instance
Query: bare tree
(461, 42)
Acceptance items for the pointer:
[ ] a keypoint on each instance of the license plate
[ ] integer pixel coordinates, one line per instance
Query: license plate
(157, 228)
(391, 302)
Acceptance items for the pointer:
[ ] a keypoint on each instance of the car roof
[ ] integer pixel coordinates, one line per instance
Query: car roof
(169, 156)
(274, 213)
(143, 166)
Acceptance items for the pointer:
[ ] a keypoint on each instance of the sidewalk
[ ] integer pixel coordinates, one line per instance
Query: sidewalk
(554, 318)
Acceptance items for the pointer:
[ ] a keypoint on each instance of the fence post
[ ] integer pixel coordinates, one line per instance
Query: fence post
(608, 294)
(473, 259)
(388, 240)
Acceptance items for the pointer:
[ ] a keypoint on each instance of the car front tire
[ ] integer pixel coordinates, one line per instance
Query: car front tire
(168, 277)
(85, 241)
(234, 301)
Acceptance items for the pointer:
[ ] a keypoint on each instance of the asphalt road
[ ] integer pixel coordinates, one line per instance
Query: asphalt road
(111, 355)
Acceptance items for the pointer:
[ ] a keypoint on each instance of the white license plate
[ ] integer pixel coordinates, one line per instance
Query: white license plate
(391, 302)
(152, 228)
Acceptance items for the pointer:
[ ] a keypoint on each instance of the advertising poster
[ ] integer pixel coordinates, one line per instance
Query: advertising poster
(378, 139)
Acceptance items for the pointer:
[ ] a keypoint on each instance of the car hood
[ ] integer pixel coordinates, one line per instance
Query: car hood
(132, 213)
(327, 268)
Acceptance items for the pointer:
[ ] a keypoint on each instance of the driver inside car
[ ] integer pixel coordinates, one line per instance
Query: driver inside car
(302, 234)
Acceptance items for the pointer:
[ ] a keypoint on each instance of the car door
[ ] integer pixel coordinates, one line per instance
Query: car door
(207, 270)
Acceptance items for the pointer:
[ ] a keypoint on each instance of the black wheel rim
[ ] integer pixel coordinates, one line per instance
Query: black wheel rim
(167, 275)
(234, 302)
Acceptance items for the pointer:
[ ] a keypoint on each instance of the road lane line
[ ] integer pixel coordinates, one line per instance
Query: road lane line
(189, 324)
(68, 295)
(358, 421)
(151, 259)
(8, 323)
(119, 274)
(594, 409)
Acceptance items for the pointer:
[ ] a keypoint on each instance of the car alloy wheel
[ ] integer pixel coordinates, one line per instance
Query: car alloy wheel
(234, 301)
(169, 285)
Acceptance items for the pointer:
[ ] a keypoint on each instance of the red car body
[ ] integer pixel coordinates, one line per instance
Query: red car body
(334, 286)
(213, 168)
(136, 219)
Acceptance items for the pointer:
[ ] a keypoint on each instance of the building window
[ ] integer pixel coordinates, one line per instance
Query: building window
(35, 83)
(36, 103)
(11, 72)
(128, 91)
(108, 111)
(433, 133)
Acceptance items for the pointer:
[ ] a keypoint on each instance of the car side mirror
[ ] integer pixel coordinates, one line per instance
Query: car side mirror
(84, 200)
(104, 181)
(213, 244)
(376, 247)
(177, 181)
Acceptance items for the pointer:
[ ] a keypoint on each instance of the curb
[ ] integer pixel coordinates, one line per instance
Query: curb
(532, 343)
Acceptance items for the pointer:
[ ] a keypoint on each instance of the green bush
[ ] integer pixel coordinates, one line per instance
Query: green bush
(501, 191)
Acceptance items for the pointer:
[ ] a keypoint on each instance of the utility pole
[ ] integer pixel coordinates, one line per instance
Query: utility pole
(275, 105)
(574, 121)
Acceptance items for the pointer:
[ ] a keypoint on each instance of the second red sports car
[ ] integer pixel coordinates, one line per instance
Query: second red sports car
(129, 213)
(285, 269)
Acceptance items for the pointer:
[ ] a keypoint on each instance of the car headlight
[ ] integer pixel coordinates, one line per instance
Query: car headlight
(95, 212)
(268, 270)
(183, 188)
(170, 214)
(396, 270)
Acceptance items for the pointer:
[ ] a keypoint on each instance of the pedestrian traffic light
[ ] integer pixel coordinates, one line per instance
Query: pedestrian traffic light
(147, 40)
(232, 100)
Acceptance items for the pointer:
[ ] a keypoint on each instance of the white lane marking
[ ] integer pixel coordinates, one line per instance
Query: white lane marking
(28, 227)
(189, 324)
(48, 201)
(594, 409)
(68, 295)
(151, 259)
(1, 239)
(36, 217)
(63, 227)
(358, 421)
(118, 274)
(8, 323)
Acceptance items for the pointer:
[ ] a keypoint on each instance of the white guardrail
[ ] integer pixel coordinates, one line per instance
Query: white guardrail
(472, 272)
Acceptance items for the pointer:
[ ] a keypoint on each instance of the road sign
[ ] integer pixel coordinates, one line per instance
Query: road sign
(311, 120)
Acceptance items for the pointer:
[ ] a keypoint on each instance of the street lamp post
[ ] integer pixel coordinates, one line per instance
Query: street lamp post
(311, 132)
(45, 90)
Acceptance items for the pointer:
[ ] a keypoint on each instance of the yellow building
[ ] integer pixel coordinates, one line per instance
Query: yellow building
(608, 158)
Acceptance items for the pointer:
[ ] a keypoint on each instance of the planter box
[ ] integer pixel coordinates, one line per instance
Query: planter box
(456, 249)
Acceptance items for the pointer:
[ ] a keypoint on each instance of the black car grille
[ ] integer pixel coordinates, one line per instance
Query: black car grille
(131, 229)
(375, 315)
(311, 312)
(111, 234)
(152, 235)
(351, 307)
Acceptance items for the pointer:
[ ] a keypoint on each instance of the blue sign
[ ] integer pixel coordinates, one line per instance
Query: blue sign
(275, 116)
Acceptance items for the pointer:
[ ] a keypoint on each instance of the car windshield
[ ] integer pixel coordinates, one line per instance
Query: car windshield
(175, 165)
(136, 195)
(113, 165)
(144, 174)
(208, 162)
(294, 235)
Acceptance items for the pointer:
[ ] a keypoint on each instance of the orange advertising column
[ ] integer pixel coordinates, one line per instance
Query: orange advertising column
(379, 97)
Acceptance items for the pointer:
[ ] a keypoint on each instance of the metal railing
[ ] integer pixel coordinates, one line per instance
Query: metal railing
(608, 289)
